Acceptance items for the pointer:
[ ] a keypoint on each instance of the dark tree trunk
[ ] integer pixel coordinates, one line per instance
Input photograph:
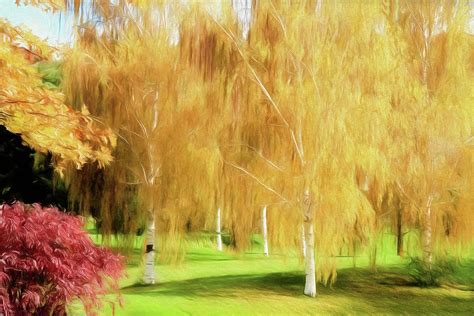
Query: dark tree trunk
(399, 233)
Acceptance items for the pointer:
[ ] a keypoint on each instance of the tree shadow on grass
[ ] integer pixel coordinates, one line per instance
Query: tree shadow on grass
(387, 291)
(391, 290)
(227, 285)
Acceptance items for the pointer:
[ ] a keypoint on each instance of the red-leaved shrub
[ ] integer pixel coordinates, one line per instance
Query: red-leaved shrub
(47, 260)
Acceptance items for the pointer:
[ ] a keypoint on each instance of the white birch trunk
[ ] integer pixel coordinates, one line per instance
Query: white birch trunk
(303, 242)
(218, 230)
(319, 4)
(264, 230)
(426, 236)
(365, 186)
(149, 274)
(310, 267)
(373, 257)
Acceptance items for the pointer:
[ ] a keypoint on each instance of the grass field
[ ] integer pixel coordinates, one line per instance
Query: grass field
(213, 283)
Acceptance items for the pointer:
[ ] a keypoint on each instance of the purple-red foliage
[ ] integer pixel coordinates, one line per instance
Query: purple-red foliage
(47, 260)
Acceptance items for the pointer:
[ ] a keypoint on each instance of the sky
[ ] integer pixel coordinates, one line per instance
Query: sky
(57, 27)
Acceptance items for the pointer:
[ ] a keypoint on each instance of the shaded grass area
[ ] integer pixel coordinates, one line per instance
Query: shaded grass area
(357, 291)
(213, 283)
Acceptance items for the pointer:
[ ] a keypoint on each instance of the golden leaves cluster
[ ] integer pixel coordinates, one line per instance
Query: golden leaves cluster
(39, 114)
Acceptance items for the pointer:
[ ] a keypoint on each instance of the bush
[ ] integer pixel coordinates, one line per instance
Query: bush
(427, 275)
(47, 260)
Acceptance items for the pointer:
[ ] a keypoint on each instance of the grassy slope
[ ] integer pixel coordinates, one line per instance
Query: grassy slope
(212, 283)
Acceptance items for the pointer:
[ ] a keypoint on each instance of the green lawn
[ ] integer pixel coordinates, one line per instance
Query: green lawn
(213, 283)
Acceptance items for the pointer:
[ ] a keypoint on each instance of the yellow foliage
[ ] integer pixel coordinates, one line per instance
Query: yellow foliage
(40, 115)
(320, 99)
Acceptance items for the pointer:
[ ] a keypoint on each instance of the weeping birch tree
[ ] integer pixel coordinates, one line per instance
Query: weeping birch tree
(111, 69)
(432, 118)
(304, 116)
(136, 73)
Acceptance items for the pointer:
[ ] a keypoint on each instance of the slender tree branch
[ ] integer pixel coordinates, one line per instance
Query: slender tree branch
(257, 179)
(406, 195)
(263, 88)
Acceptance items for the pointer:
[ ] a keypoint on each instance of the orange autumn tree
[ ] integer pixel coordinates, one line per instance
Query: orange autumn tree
(39, 114)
